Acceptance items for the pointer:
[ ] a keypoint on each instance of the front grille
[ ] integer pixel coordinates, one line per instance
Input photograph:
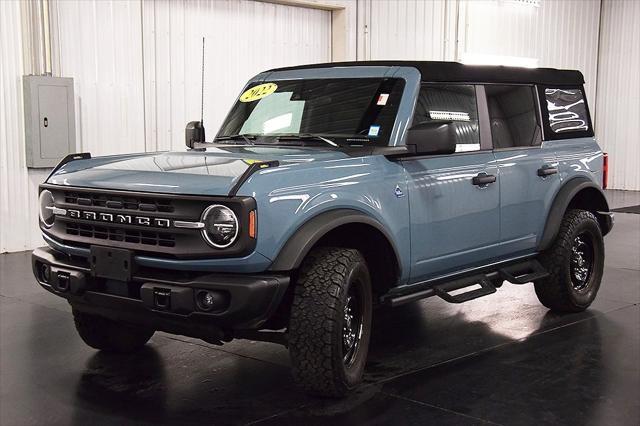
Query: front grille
(150, 204)
(150, 238)
(142, 222)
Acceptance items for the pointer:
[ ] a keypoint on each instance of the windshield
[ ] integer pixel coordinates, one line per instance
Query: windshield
(345, 111)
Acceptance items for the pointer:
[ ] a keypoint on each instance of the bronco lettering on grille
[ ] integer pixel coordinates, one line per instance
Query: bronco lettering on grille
(125, 219)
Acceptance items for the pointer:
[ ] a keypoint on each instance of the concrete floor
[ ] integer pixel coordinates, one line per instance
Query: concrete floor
(500, 359)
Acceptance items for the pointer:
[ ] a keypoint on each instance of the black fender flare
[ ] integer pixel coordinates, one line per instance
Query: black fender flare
(306, 236)
(561, 202)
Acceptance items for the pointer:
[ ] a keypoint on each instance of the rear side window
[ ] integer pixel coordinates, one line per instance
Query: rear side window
(567, 115)
(456, 103)
(512, 115)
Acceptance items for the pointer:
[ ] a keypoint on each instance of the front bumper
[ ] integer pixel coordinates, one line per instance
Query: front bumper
(164, 300)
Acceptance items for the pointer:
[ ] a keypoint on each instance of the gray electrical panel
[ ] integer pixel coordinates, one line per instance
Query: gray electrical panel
(49, 119)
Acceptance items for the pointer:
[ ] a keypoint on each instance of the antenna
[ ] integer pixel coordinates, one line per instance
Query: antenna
(202, 87)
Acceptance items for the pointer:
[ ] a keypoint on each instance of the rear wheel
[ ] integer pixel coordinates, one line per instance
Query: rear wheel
(110, 336)
(330, 323)
(575, 263)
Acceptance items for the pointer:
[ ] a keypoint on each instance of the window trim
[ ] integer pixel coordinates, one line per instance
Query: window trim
(548, 133)
(486, 139)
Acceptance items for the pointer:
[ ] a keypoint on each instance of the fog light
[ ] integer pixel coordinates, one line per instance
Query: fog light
(46, 273)
(208, 301)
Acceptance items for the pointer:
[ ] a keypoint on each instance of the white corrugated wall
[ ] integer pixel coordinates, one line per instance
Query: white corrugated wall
(408, 29)
(242, 38)
(618, 95)
(18, 188)
(99, 44)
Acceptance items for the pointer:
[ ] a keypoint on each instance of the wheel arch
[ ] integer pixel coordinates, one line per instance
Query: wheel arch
(345, 228)
(577, 193)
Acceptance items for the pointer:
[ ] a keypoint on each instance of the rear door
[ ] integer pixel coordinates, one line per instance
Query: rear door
(527, 169)
(454, 222)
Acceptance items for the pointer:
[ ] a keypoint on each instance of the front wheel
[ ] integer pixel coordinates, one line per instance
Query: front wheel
(575, 263)
(330, 323)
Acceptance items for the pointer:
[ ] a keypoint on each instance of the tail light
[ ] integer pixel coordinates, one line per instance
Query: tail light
(605, 170)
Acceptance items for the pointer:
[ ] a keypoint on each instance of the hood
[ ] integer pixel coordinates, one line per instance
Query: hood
(211, 171)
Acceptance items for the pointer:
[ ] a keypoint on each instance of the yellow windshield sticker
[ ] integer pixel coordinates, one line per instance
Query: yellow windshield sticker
(258, 92)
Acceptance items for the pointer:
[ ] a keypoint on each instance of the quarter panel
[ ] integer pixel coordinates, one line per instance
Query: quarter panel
(578, 157)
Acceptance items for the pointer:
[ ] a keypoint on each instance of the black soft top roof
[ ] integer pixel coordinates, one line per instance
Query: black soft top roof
(438, 71)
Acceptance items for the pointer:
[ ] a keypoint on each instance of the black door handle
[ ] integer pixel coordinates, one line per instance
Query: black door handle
(483, 179)
(547, 171)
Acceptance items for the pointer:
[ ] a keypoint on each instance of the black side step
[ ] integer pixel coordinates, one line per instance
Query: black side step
(523, 273)
(486, 288)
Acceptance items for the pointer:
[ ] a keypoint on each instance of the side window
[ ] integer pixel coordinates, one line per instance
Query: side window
(456, 102)
(512, 115)
(567, 112)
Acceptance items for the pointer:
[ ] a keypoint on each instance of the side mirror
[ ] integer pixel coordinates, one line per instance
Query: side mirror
(433, 137)
(193, 133)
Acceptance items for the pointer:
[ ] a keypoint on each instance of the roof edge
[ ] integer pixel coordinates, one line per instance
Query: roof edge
(441, 71)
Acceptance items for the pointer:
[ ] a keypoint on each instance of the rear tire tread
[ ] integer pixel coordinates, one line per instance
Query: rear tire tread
(554, 292)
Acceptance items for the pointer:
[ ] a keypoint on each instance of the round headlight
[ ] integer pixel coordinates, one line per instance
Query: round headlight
(220, 226)
(46, 208)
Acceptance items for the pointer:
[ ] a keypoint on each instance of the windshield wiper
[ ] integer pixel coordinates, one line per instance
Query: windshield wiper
(247, 138)
(302, 136)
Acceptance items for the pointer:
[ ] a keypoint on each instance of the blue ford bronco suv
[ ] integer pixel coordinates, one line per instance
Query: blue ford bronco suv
(329, 190)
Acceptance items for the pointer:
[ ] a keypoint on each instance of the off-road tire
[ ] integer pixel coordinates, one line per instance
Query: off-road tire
(317, 319)
(110, 336)
(557, 292)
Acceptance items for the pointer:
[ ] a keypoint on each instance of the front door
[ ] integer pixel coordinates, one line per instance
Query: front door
(455, 220)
